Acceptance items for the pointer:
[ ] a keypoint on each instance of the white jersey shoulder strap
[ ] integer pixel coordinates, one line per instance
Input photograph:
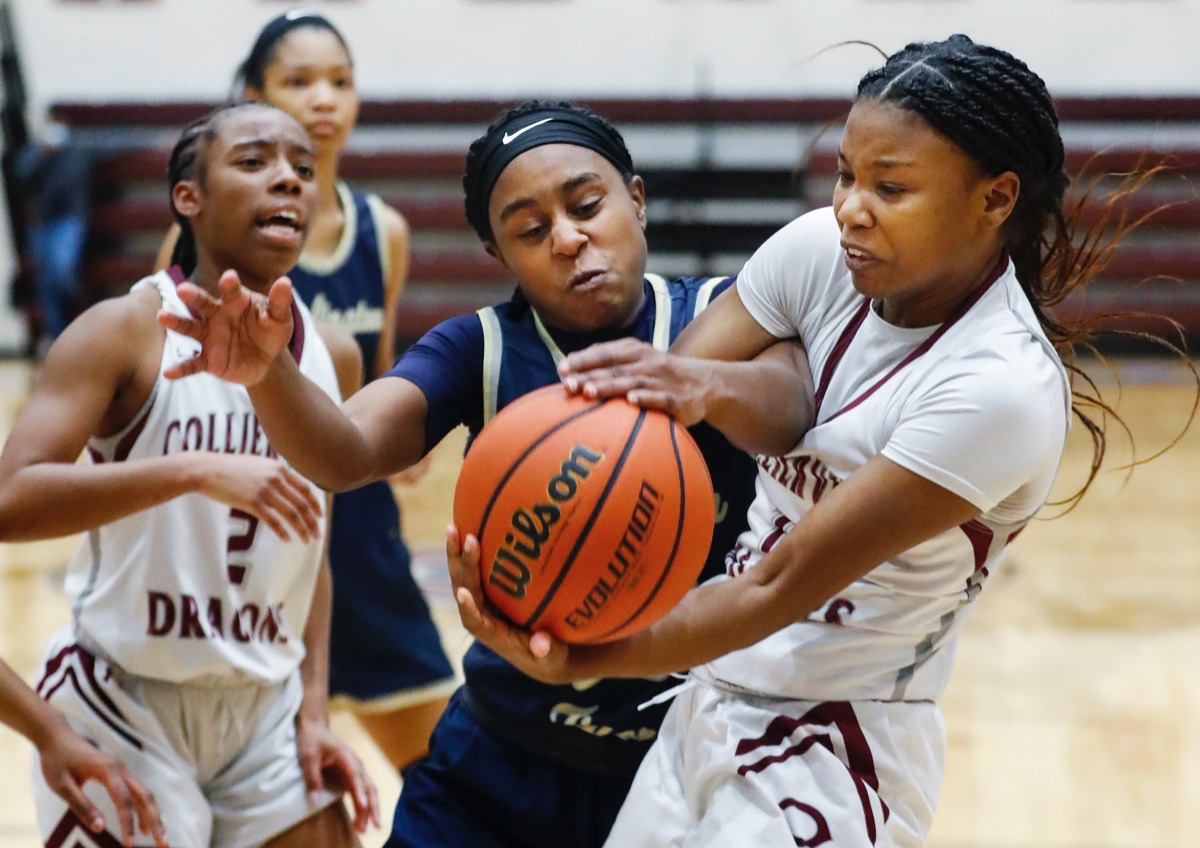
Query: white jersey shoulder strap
(493, 353)
(377, 207)
(662, 312)
(704, 295)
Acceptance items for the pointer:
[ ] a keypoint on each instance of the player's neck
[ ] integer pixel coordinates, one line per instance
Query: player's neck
(327, 180)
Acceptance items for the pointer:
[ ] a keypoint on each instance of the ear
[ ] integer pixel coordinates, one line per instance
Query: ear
(254, 95)
(187, 199)
(494, 252)
(637, 190)
(1000, 197)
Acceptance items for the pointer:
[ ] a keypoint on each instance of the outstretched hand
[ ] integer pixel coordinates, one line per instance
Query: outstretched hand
(328, 763)
(240, 331)
(68, 761)
(641, 374)
(538, 655)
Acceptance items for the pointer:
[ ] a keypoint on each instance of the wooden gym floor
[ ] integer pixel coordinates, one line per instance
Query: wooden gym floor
(1074, 709)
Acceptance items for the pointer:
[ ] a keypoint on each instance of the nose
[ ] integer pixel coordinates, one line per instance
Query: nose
(286, 180)
(323, 96)
(851, 207)
(566, 238)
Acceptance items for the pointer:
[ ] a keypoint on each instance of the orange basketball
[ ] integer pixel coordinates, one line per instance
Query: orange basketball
(593, 517)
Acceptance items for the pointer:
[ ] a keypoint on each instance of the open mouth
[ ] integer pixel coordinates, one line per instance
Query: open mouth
(283, 225)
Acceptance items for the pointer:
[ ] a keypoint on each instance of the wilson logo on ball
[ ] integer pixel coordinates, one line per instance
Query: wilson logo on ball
(593, 517)
(531, 528)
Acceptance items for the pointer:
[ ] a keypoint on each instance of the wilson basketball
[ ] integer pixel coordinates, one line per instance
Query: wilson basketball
(593, 517)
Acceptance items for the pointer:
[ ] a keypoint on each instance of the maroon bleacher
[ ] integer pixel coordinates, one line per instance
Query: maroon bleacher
(447, 280)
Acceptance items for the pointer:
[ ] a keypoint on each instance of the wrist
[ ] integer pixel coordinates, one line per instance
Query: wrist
(314, 706)
(46, 727)
(714, 394)
(194, 469)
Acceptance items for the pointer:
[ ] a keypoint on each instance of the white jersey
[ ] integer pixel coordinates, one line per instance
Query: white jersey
(979, 405)
(192, 590)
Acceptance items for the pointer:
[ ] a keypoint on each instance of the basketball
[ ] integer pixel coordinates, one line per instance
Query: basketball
(593, 517)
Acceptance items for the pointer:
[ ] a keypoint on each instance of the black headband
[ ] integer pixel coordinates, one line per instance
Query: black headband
(509, 140)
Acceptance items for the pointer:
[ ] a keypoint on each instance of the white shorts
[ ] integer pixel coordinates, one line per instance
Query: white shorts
(728, 771)
(222, 762)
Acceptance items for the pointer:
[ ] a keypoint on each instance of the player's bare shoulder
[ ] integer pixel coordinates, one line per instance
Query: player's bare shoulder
(114, 346)
(394, 225)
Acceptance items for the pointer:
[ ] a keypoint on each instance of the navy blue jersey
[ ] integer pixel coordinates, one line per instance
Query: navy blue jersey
(469, 368)
(383, 642)
(346, 288)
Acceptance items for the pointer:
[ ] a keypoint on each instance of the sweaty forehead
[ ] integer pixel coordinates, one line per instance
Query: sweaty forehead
(882, 130)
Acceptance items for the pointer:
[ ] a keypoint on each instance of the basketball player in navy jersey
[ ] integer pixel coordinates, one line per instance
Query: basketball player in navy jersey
(551, 191)
(386, 660)
(192, 655)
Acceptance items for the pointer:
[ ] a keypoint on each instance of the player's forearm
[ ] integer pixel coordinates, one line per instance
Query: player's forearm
(51, 499)
(309, 429)
(314, 669)
(708, 623)
(23, 711)
(762, 406)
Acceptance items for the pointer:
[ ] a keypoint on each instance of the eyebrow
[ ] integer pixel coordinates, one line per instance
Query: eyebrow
(568, 185)
(308, 66)
(268, 142)
(883, 163)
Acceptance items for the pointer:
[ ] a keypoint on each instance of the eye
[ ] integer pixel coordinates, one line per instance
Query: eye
(531, 233)
(343, 82)
(588, 207)
(250, 163)
(844, 177)
(295, 82)
(889, 189)
(305, 170)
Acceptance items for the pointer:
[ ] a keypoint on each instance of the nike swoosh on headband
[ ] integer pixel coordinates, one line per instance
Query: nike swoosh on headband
(508, 137)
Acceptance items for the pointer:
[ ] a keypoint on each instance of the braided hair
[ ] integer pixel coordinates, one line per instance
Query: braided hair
(189, 161)
(999, 112)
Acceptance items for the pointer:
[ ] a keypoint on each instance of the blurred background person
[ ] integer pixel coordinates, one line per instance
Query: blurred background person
(55, 174)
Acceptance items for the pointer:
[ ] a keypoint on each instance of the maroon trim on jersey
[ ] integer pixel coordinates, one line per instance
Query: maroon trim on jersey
(839, 350)
(176, 274)
(70, 826)
(96, 456)
(87, 664)
(852, 329)
(981, 537)
(296, 346)
(125, 446)
(820, 825)
(859, 760)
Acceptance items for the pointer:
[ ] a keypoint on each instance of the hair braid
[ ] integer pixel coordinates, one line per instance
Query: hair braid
(1000, 113)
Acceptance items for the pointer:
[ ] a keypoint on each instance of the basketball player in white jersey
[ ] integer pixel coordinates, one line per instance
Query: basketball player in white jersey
(942, 405)
(197, 649)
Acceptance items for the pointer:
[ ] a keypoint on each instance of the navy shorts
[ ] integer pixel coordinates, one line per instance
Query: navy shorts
(384, 651)
(475, 790)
